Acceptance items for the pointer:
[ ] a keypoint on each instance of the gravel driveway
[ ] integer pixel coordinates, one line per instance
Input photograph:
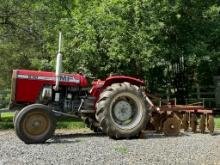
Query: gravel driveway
(69, 147)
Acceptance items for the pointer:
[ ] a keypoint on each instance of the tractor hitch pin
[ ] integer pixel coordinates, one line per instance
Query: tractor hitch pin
(151, 105)
(82, 102)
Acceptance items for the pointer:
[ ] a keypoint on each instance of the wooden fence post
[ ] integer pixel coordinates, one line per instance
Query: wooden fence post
(198, 91)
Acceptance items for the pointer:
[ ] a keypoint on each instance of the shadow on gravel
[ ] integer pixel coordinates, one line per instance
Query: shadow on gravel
(63, 141)
(70, 138)
(214, 134)
(76, 135)
(154, 135)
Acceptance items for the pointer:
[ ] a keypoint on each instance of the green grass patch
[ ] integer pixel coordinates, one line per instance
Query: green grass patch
(121, 149)
(6, 125)
(217, 122)
(70, 124)
(6, 122)
(7, 115)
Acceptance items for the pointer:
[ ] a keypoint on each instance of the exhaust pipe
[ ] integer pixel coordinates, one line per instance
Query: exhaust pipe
(58, 64)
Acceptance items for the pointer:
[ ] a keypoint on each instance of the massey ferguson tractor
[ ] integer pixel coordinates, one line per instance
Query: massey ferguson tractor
(118, 106)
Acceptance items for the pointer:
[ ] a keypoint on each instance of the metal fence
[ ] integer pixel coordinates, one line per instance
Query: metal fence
(206, 102)
(204, 95)
(199, 92)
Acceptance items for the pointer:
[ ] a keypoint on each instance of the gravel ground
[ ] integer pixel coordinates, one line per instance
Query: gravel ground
(84, 147)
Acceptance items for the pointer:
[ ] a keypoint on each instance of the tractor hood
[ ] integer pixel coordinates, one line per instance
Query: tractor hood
(50, 77)
(27, 84)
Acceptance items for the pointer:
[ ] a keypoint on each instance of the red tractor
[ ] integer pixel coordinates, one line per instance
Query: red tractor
(116, 105)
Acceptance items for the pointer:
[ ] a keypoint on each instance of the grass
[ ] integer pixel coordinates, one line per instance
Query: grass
(70, 124)
(6, 122)
(7, 115)
(122, 150)
(217, 122)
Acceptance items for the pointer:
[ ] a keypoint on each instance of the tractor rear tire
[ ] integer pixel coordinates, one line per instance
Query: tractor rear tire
(122, 111)
(35, 124)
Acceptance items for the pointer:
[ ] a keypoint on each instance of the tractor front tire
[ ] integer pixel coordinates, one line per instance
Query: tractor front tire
(122, 111)
(35, 124)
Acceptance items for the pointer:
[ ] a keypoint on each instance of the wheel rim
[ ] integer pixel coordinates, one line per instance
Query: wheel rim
(126, 110)
(122, 110)
(36, 124)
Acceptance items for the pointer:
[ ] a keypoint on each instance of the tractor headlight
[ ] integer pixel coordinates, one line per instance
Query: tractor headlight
(46, 93)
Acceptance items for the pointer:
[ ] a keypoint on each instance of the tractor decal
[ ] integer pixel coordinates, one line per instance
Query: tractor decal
(69, 79)
(63, 78)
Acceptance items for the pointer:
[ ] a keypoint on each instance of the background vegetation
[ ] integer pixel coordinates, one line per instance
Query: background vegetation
(172, 44)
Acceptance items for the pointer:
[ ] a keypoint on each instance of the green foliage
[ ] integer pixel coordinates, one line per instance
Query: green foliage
(4, 98)
(170, 44)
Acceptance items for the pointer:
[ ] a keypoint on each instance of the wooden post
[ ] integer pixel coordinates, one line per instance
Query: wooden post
(198, 91)
(160, 102)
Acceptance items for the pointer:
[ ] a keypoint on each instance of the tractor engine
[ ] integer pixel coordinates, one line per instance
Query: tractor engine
(66, 99)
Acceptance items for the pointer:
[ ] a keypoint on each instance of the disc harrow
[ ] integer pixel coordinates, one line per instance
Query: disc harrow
(170, 119)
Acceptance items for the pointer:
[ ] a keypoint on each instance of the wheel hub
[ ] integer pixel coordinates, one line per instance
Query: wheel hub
(122, 110)
(36, 124)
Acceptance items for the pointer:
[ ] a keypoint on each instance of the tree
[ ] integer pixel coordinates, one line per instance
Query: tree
(170, 44)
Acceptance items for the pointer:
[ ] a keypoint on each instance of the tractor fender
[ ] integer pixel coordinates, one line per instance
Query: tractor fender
(120, 79)
(99, 85)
